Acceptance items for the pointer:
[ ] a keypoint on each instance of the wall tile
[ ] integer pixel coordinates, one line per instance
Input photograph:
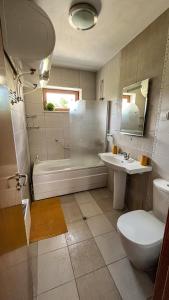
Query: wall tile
(152, 48)
(55, 150)
(143, 58)
(37, 137)
(161, 144)
(34, 108)
(165, 97)
(64, 77)
(34, 102)
(39, 120)
(129, 64)
(55, 120)
(42, 153)
(88, 85)
(57, 125)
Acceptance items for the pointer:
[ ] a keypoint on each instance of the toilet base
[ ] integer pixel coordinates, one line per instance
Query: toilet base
(143, 258)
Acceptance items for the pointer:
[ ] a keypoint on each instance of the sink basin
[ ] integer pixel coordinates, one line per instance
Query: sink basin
(117, 162)
(121, 167)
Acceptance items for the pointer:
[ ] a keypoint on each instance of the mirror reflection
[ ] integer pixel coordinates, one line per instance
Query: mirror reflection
(134, 104)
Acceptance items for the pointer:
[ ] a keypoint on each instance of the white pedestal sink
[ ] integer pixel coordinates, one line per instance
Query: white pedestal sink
(121, 168)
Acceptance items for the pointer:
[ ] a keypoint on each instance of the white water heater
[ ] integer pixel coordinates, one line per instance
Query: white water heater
(28, 36)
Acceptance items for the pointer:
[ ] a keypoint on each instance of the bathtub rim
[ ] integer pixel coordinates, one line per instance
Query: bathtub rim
(40, 172)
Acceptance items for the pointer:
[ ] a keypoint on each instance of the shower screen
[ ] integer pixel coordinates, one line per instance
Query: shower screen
(88, 121)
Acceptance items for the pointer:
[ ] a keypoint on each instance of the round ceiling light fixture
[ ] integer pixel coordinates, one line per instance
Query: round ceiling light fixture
(83, 16)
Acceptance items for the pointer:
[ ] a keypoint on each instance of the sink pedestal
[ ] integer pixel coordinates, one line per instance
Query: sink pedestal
(121, 167)
(119, 189)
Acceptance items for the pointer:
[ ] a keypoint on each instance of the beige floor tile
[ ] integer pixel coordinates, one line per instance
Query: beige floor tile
(102, 193)
(67, 291)
(99, 225)
(105, 204)
(131, 283)
(113, 216)
(71, 212)
(77, 232)
(85, 257)
(54, 269)
(103, 198)
(97, 285)
(68, 198)
(34, 270)
(90, 209)
(110, 247)
(51, 244)
(83, 197)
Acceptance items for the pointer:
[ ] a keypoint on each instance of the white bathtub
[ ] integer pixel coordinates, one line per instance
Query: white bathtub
(59, 177)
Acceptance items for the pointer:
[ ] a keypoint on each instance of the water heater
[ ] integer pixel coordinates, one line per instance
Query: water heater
(28, 36)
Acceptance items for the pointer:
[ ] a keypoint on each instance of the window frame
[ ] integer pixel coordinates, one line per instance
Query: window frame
(127, 97)
(60, 90)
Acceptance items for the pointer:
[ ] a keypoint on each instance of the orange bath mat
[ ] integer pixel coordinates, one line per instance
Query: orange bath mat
(47, 219)
(12, 229)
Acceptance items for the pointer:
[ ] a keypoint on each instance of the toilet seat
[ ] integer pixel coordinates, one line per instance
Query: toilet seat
(141, 227)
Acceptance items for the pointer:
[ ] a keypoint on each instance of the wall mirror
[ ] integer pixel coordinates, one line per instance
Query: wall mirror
(134, 105)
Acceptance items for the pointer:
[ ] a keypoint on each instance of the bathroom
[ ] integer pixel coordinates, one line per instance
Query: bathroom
(94, 192)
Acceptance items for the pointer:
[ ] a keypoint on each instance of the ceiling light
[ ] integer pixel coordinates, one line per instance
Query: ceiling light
(82, 16)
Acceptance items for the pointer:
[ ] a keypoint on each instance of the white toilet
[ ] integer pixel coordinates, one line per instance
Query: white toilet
(142, 232)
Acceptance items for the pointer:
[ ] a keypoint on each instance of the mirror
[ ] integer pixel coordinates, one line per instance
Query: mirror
(134, 105)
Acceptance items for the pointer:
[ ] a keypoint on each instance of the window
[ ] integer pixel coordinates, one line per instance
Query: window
(56, 99)
(127, 98)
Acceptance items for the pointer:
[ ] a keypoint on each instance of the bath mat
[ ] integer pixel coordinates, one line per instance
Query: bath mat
(12, 229)
(47, 219)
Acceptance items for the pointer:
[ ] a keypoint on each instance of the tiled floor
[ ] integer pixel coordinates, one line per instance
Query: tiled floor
(89, 262)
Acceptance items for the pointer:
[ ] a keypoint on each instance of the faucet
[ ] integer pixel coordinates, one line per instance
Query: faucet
(126, 155)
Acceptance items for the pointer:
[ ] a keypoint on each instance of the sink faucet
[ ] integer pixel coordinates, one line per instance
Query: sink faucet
(126, 155)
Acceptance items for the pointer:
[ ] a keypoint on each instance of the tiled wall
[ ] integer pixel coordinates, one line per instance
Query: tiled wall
(84, 80)
(161, 143)
(140, 59)
(143, 58)
(51, 140)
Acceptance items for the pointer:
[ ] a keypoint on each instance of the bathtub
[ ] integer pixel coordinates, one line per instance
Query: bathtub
(60, 177)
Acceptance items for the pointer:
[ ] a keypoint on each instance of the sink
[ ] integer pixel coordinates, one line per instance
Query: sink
(120, 168)
(117, 162)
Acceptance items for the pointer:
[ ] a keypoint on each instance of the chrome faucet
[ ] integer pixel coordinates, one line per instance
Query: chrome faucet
(126, 155)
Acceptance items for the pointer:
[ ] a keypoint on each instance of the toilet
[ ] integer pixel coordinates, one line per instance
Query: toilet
(142, 232)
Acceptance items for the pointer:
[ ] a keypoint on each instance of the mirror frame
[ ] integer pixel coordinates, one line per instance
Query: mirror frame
(131, 87)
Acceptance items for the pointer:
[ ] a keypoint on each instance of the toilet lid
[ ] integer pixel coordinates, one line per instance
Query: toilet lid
(141, 227)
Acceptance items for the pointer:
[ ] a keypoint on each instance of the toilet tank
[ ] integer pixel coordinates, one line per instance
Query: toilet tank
(161, 199)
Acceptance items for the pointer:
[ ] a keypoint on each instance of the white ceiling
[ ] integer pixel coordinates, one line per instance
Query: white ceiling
(118, 23)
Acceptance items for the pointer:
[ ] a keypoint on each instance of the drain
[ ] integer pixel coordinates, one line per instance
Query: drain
(84, 218)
